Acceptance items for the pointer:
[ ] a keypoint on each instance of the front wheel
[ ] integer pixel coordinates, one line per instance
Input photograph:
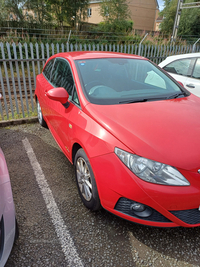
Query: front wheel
(86, 183)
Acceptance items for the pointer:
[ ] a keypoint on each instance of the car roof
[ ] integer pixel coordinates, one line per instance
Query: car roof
(184, 56)
(176, 57)
(95, 54)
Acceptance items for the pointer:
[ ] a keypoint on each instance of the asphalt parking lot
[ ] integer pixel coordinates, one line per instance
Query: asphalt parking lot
(57, 230)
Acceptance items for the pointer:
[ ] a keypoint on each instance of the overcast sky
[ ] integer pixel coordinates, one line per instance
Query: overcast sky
(160, 3)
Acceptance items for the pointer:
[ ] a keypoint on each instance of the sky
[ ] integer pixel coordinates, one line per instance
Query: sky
(160, 3)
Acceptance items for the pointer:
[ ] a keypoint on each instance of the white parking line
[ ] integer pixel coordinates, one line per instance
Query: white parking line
(63, 234)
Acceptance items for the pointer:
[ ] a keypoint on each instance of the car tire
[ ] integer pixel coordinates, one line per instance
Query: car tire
(16, 230)
(85, 180)
(41, 120)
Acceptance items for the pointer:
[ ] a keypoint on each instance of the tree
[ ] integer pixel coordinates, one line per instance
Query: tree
(114, 10)
(14, 8)
(116, 16)
(71, 11)
(168, 13)
(18, 10)
(77, 11)
(41, 11)
(189, 22)
(3, 11)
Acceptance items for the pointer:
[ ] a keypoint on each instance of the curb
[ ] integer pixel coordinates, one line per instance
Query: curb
(18, 122)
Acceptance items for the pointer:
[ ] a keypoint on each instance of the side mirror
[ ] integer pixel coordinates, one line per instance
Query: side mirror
(58, 94)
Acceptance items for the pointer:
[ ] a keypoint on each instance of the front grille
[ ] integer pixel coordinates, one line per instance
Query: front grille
(188, 216)
(123, 205)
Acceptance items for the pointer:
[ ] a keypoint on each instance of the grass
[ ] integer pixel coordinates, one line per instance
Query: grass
(29, 111)
(26, 115)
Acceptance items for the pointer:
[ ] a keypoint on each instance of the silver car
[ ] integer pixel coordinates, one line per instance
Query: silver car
(8, 223)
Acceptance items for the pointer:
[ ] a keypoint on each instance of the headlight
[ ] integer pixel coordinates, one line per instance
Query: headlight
(151, 171)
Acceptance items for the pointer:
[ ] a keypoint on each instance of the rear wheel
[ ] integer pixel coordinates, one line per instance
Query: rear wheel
(86, 183)
(41, 120)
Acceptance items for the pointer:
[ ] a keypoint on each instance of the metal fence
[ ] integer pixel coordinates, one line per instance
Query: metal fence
(20, 64)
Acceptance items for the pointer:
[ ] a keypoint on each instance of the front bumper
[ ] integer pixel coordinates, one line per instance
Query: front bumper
(171, 206)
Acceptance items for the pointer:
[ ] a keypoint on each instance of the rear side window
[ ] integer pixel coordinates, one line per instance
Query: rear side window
(48, 68)
(196, 72)
(62, 76)
(181, 67)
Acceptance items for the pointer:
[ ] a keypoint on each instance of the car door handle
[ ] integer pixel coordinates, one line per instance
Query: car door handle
(190, 85)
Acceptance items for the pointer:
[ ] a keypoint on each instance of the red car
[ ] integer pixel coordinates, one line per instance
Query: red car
(131, 131)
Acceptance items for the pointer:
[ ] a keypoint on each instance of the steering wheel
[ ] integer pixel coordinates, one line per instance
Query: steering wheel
(91, 84)
(94, 90)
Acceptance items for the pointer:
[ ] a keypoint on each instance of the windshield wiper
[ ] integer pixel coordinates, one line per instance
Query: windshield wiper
(176, 95)
(141, 100)
(153, 98)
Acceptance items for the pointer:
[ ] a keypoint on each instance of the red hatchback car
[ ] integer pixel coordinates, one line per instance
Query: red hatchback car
(131, 131)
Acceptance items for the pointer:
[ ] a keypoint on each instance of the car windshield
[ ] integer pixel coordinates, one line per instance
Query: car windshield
(109, 81)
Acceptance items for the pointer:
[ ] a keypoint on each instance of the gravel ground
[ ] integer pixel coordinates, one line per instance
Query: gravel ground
(101, 239)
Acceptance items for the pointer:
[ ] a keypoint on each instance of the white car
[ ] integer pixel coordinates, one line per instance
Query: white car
(8, 223)
(184, 68)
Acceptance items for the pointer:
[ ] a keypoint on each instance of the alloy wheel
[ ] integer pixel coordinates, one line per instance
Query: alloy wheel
(84, 179)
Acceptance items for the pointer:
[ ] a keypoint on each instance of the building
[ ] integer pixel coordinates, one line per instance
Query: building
(93, 12)
(143, 13)
(158, 22)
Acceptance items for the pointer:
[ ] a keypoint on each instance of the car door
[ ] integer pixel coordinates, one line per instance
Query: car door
(193, 83)
(58, 114)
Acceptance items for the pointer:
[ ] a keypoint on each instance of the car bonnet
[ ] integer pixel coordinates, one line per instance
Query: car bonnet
(167, 131)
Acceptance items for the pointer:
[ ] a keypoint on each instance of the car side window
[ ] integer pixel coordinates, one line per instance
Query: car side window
(181, 67)
(75, 97)
(62, 76)
(48, 68)
(196, 72)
